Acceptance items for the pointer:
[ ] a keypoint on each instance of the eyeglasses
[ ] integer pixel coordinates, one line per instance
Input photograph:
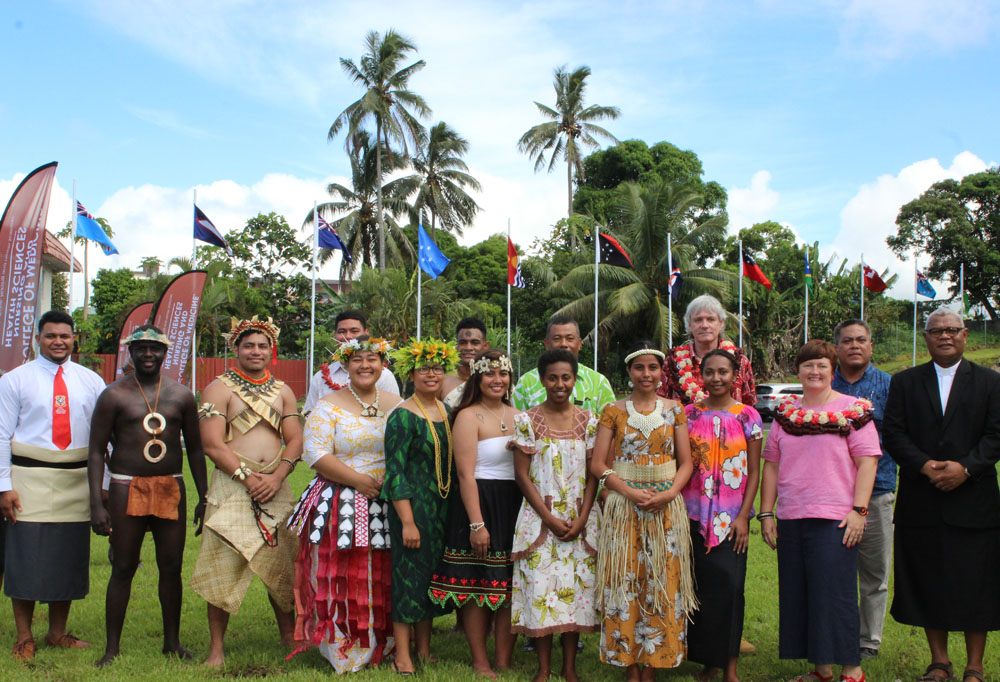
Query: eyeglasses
(938, 332)
(423, 371)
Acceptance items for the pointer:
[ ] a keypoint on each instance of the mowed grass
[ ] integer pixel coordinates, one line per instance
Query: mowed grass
(253, 650)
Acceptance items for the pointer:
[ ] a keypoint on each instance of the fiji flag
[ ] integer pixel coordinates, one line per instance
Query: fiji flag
(205, 231)
(88, 228)
(431, 260)
(924, 287)
(329, 239)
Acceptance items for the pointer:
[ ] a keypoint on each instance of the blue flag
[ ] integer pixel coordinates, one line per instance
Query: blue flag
(206, 232)
(88, 228)
(329, 239)
(431, 260)
(924, 287)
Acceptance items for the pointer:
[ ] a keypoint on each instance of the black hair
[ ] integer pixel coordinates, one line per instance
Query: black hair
(722, 353)
(472, 391)
(55, 317)
(351, 315)
(645, 344)
(551, 357)
(248, 332)
(850, 323)
(556, 320)
(471, 323)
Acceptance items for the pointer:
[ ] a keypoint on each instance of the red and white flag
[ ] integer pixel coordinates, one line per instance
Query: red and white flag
(872, 280)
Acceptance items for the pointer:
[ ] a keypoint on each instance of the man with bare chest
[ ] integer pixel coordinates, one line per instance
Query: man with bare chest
(144, 416)
(246, 416)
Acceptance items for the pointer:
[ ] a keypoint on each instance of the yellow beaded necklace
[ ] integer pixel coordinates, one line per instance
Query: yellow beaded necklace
(443, 488)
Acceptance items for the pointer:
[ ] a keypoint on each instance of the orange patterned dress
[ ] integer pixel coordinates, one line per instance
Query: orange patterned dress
(644, 573)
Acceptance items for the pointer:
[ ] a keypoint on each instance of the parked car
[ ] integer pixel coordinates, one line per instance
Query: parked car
(769, 395)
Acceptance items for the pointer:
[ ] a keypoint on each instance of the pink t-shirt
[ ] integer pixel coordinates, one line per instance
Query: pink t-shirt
(816, 473)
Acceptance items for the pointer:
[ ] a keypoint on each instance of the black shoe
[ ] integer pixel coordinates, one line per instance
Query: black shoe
(868, 653)
(529, 644)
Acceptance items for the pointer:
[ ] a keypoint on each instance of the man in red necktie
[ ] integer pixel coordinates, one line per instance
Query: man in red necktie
(45, 410)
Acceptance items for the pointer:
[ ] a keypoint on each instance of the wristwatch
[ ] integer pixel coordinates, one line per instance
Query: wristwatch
(861, 510)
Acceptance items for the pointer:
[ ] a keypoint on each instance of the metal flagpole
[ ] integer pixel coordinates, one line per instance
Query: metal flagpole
(862, 286)
(312, 311)
(913, 362)
(194, 330)
(420, 222)
(597, 272)
(670, 297)
(807, 299)
(508, 290)
(961, 288)
(72, 248)
(740, 318)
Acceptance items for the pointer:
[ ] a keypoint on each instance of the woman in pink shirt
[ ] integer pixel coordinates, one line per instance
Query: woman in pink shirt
(819, 462)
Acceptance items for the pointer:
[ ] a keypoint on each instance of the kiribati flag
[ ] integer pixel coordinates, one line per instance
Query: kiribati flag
(329, 239)
(205, 231)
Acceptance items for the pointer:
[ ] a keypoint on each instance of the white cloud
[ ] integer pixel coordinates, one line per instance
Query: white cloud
(870, 216)
(753, 204)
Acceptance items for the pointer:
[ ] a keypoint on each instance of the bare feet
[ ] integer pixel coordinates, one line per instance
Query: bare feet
(486, 672)
(108, 657)
(570, 675)
(178, 651)
(542, 676)
(215, 660)
(705, 674)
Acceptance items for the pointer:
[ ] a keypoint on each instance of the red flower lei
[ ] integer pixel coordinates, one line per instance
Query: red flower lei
(799, 421)
(256, 382)
(324, 370)
(693, 387)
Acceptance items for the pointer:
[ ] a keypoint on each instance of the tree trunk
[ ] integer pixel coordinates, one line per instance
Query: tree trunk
(569, 203)
(378, 194)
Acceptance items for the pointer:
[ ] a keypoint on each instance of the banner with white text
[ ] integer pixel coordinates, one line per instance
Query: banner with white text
(137, 317)
(175, 316)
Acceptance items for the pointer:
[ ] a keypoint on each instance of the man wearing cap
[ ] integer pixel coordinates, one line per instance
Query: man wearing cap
(145, 415)
(45, 410)
(246, 417)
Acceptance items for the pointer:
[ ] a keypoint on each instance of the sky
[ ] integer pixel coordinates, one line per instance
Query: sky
(825, 116)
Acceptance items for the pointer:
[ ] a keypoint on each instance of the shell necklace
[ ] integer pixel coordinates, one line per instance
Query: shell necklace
(645, 423)
(154, 431)
(367, 409)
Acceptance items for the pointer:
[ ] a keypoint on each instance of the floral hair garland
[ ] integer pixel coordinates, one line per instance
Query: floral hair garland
(432, 352)
(484, 365)
(693, 387)
(348, 348)
(266, 327)
(799, 421)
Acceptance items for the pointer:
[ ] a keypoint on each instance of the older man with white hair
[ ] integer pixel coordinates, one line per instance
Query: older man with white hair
(942, 426)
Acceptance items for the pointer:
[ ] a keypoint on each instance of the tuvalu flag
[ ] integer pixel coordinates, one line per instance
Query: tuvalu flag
(753, 271)
(514, 276)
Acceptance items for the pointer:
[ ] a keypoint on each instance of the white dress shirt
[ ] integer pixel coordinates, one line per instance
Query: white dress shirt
(26, 407)
(338, 375)
(945, 377)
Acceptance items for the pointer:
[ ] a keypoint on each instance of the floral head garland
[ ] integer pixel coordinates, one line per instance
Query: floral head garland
(692, 385)
(799, 421)
(348, 348)
(432, 352)
(148, 335)
(266, 327)
(484, 365)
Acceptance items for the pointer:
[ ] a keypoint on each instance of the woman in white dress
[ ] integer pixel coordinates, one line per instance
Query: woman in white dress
(342, 572)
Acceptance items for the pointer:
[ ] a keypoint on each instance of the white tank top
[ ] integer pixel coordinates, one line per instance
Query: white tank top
(494, 460)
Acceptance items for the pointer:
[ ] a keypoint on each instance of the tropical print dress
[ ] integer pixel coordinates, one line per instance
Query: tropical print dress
(411, 473)
(342, 572)
(644, 573)
(554, 580)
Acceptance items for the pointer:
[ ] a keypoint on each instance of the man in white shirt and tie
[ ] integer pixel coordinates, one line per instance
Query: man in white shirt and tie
(45, 410)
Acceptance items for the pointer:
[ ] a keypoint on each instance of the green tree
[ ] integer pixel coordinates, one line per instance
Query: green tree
(956, 222)
(441, 180)
(114, 295)
(387, 101)
(266, 246)
(60, 292)
(635, 301)
(357, 205)
(570, 127)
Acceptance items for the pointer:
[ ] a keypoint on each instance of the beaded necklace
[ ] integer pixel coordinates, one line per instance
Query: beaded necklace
(367, 409)
(251, 385)
(443, 488)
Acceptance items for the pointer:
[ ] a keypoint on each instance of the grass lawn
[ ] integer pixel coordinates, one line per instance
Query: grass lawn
(253, 650)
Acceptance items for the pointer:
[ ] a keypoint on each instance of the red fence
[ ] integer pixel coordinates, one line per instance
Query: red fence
(292, 372)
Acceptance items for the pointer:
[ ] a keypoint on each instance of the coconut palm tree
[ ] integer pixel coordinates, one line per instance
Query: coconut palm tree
(386, 101)
(357, 206)
(570, 128)
(441, 179)
(635, 301)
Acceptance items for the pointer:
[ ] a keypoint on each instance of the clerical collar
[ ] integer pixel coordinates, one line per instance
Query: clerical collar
(946, 371)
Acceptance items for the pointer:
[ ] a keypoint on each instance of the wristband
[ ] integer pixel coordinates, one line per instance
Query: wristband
(290, 463)
(765, 515)
(602, 482)
(477, 526)
(241, 473)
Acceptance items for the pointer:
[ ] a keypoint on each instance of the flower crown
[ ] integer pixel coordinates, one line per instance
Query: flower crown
(147, 335)
(484, 364)
(426, 353)
(348, 348)
(266, 327)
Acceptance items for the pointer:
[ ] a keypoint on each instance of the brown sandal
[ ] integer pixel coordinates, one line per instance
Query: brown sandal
(67, 640)
(946, 668)
(24, 651)
(976, 674)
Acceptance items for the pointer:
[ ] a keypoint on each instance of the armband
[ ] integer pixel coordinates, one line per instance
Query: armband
(290, 463)
(207, 411)
(293, 414)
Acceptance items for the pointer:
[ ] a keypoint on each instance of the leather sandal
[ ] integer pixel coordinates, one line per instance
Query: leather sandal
(24, 651)
(946, 668)
(67, 640)
(971, 672)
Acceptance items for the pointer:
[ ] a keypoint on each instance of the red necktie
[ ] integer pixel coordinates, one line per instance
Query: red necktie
(62, 436)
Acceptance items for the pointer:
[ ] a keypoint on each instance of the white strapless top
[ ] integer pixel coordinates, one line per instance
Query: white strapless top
(494, 460)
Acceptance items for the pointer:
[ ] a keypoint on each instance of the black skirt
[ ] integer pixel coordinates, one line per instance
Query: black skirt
(462, 576)
(47, 562)
(716, 628)
(946, 578)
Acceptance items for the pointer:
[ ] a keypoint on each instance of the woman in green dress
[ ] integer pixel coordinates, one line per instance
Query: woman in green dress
(419, 457)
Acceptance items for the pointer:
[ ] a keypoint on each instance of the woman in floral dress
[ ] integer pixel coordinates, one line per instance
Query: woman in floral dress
(342, 571)
(554, 553)
(725, 448)
(644, 582)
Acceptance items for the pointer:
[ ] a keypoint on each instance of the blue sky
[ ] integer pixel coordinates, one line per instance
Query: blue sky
(825, 116)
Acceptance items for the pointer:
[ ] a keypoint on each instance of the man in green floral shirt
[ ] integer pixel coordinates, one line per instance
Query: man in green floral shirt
(592, 390)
